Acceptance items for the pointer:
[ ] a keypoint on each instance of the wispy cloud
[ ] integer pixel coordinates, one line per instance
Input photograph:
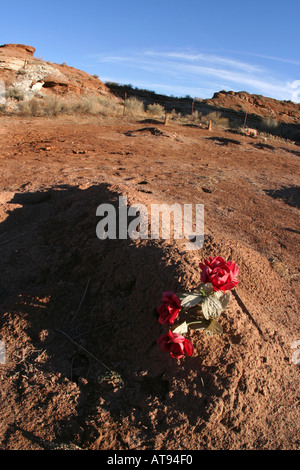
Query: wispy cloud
(205, 59)
(186, 72)
(295, 86)
(267, 57)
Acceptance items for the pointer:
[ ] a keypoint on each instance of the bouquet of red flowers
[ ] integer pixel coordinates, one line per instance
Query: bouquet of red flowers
(200, 307)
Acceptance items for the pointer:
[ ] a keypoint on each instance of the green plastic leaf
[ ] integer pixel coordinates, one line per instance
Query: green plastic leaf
(224, 298)
(201, 324)
(211, 307)
(180, 329)
(209, 326)
(207, 289)
(214, 327)
(189, 299)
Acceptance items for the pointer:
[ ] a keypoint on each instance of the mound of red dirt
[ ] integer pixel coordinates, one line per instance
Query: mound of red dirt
(78, 315)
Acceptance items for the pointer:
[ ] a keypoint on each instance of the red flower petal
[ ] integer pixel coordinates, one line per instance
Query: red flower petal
(188, 347)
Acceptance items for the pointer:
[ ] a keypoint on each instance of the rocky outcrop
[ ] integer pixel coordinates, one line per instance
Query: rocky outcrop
(239, 108)
(17, 50)
(262, 106)
(25, 75)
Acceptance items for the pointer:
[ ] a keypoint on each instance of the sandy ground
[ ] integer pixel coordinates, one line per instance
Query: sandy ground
(74, 307)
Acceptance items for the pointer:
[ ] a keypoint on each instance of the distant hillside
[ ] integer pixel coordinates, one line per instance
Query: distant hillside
(266, 114)
(267, 108)
(25, 76)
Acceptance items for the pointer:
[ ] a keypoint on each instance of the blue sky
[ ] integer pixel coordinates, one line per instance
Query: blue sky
(173, 47)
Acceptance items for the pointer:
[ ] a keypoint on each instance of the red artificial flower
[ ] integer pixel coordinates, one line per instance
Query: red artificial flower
(220, 273)
(175, 344)
(169, 309)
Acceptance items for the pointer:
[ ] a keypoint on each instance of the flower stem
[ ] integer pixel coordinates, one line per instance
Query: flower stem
(198, 321)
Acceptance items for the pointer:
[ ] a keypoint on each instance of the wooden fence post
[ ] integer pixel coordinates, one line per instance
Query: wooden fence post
(125, 97)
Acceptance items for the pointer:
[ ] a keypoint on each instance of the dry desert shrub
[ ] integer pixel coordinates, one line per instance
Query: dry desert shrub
(269, 124)
(14, 93)
(33, 107)
(95, 105)
(56, 105)
(21, 71)
(36, 106)
(156, 109)
(134, 107)
(109, 107)
(3, 108)
(196, 116)
(175, 116)
(216, 119)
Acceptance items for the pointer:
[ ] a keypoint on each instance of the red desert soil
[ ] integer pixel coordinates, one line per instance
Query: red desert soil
(74, 307)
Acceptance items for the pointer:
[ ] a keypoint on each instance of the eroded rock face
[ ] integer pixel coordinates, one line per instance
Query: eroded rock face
(17, 49)
(262, 106)
(25, 75)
